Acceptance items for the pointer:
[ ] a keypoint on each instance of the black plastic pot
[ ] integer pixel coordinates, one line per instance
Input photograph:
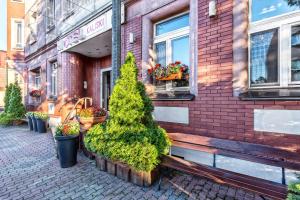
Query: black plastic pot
(67, 150)
(30, 125)
(41, 125)
(34, 123)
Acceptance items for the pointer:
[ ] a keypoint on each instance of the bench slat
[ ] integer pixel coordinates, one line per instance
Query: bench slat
(264, 187)
(242, 150)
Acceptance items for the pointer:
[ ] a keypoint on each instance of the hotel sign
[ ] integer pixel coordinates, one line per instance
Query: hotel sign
(99, 25)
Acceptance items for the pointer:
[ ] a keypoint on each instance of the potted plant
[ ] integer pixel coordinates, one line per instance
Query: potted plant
(130, 140)
(66, 136)
(91, 116)
(35, 93)
(34, 122)
(41, 119)
(29, 116)
(173, 71)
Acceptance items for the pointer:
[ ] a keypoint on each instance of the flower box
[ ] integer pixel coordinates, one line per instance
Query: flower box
(173, 71)
(35, 93)
(177, 76)
(87, 122)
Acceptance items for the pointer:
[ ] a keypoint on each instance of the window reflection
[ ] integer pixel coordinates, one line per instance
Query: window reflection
(295, 53)
(262, 9)
(264, 57)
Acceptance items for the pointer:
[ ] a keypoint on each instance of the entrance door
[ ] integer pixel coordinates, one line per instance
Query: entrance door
(106, 88)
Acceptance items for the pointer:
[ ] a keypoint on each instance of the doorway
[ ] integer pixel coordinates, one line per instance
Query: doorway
(105, 87)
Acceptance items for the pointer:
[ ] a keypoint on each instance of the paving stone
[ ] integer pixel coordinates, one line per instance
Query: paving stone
(29, 169)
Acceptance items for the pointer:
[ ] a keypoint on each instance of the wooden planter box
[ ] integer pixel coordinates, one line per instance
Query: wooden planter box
(126, 173)
(101, 163)
(88, 122)
(123, 171)
(177, 76)
(111, 167)
(144, 178)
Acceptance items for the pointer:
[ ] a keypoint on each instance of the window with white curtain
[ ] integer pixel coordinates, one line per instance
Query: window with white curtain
(274, 43)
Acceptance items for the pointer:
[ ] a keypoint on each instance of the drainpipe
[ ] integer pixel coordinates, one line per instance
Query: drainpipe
(116, 40)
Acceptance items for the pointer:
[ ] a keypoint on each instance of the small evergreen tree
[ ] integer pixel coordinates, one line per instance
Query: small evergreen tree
(16, 107)
(130, 134)
(8, 90)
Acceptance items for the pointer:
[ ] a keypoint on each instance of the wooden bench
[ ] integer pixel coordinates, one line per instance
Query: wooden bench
(240, 150)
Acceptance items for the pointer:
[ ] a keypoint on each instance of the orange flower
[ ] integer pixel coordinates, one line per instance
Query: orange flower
(157, 65)
(177, 62)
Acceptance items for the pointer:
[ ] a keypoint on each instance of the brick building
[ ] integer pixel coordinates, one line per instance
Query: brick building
(2, 76)
(12, 60)
(243, 62)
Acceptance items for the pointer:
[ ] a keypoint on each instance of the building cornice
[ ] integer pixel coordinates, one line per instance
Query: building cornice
(42, 50)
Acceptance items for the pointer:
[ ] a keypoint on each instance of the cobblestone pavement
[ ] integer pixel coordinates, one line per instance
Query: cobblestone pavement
(29, 170)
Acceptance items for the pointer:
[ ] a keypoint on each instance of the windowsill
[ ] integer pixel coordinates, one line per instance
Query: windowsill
(172, 96)
(284, 94)
(52, 98)
(50, 28)
(32, 42)
(68, 14)
(18, 48)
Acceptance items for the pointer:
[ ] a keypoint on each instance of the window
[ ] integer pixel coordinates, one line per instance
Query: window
(271, 8)
(68, 7)
(17, 33)
(53, 83)
(37, 81)
(171, 45)
(50, 13)
(32, 28)
(274, 41)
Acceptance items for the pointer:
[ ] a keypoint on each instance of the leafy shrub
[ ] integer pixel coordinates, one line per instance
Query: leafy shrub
(29, 114)
(92, 112)
(13, 108)
(40, 115)
(8, 90)
(6, 119)
(70, 128)
(130, 134)
(294, 190)
(16, 107)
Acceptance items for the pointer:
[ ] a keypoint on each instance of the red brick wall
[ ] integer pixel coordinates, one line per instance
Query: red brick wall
(215, 112)
(92, 70)
(133, 26)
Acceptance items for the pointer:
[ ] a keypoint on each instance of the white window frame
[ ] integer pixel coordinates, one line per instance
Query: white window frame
(53, 16)
(14, 34)
(37, 82)
(105, 69)
(283, 23)
(17, 1)
(168, 38)
(66, 10)
(54, 78)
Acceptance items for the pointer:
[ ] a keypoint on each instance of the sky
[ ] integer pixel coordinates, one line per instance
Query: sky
(2, 24)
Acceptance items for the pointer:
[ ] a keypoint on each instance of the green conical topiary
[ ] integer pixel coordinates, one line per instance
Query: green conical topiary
(8, 90)
(130, 134)
(16, 107)
(126, 103)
